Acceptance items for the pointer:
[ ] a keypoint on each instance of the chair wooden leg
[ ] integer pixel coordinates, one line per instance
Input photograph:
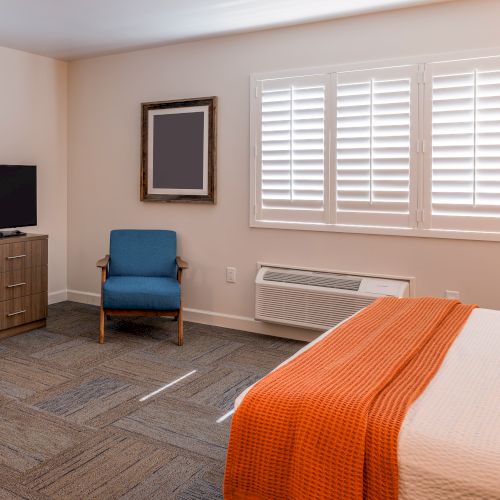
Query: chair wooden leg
(180, 329)
(101, 327)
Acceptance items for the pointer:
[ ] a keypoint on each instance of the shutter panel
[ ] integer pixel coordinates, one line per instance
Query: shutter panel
(376, 112)
(463, 120)
(293, 149)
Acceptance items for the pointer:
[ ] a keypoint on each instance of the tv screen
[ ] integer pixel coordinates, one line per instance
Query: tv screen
(17, 196)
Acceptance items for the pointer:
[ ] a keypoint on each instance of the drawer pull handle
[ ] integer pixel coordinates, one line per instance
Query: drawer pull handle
(16, 284)
(16, 257)
(16, 313)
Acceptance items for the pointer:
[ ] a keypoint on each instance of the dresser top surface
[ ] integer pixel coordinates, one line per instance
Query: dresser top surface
(26, 237)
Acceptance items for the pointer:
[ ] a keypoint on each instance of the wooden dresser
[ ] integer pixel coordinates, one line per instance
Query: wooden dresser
(23, 283)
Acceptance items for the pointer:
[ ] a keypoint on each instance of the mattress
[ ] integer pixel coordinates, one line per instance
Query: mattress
(449, 444)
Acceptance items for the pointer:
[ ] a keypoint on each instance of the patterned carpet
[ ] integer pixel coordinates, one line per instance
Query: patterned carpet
(72, 425)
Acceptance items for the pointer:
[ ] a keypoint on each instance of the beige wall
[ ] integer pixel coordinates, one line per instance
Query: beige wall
(104, 140)
(33, 130)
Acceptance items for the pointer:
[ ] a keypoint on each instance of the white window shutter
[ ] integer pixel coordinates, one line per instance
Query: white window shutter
(292, 149)
(463, 126)
(376, 134)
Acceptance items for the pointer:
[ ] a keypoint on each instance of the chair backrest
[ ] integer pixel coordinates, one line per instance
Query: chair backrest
(142, 252)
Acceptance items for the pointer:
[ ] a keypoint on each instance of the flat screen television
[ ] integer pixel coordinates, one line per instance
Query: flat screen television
(18, 206)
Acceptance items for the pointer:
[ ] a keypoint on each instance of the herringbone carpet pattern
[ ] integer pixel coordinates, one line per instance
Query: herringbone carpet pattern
(72, 425)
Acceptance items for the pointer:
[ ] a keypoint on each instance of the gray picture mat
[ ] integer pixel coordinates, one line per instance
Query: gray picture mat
(178, 143)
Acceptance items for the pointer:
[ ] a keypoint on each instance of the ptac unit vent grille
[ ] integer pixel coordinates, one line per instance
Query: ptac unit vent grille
(320, 280)
(307, 308)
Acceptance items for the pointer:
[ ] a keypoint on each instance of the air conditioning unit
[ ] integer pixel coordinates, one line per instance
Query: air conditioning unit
(317, 300)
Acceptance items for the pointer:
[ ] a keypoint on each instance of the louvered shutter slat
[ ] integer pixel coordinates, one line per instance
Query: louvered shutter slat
(465, 145)
(292, 149)
(374, 147)
(452, 102)
(487, 186)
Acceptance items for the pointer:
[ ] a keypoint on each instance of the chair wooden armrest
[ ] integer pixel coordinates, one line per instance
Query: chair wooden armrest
(103, 262)
(181, 264)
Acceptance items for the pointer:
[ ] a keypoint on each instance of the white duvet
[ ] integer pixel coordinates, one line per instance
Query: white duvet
(449, 445)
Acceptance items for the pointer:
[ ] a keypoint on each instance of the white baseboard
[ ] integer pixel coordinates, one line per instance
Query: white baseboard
(243, 323)
(59, 296)
(93, 299)
(248, 324)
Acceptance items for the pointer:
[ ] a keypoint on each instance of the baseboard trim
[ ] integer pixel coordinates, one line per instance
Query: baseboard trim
(93, 299)
(244, 323)
(59, 296)
(248, 324)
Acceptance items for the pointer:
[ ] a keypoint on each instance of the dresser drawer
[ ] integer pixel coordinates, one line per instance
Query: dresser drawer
(23, 254)
(21, 282)
(23, 310)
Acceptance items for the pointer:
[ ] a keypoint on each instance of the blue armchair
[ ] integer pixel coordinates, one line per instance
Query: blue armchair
(141, 276)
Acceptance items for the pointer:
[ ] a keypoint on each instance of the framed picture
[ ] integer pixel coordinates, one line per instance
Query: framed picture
(179, 150)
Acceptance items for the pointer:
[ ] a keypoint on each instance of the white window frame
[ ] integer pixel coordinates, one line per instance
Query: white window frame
(422, 170)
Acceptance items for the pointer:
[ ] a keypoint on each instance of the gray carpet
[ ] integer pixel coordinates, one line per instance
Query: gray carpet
(72, 425)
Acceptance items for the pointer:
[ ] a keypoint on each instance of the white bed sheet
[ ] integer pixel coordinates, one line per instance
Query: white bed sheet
(449, 445)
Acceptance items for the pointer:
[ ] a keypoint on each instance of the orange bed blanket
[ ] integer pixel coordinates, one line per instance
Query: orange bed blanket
(326, 424)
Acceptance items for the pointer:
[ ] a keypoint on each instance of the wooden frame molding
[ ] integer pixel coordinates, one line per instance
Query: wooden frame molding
(178, 105)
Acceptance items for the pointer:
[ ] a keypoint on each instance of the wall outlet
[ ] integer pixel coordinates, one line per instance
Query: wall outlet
(452, 294)
(230, 274)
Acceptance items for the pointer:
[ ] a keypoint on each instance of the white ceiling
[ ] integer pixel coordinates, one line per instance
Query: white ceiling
(70, 29)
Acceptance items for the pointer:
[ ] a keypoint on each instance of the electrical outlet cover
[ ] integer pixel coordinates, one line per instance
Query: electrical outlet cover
(230, 274)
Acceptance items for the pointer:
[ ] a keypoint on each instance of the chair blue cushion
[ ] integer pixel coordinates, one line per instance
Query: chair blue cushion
(143, 252)
(143, 293)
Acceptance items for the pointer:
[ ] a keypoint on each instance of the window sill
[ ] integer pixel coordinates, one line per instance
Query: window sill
(389, 231)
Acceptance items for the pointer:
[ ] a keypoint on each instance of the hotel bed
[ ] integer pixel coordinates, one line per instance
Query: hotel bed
(449, 443)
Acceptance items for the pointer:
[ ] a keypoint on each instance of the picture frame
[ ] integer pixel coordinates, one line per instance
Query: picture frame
(179, 150)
